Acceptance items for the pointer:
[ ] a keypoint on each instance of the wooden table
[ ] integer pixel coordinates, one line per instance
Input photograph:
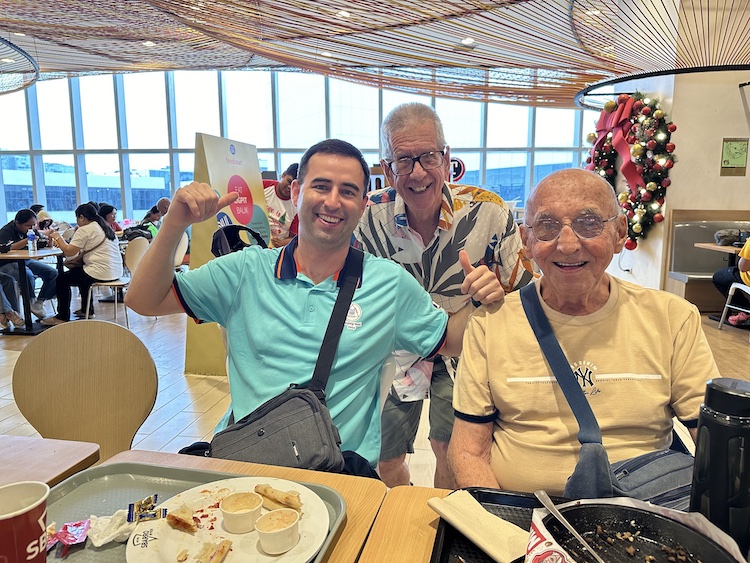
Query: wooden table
(733, 251)
(43, 459)
(405, 528)
(20, 256)
(363, 496)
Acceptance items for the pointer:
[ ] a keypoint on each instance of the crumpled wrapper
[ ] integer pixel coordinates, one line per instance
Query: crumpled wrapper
(105, 529)
(543, 546)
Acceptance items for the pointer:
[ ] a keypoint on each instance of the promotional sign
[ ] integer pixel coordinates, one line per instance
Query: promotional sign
(458, 169)
(227, 166)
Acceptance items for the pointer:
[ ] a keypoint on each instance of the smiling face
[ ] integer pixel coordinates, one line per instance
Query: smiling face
(574, 280)
(284, 186)
(422, 189)
(330, 200)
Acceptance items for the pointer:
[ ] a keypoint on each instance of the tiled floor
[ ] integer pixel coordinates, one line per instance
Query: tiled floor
(189, 406)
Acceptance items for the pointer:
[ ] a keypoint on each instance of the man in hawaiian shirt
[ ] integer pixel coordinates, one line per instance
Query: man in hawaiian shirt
(422, 222)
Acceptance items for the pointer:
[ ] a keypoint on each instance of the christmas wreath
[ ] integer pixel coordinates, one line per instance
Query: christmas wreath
(634, 128)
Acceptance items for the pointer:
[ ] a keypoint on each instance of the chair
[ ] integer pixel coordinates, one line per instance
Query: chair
(728, 305)
(179, 253)
(133, 253)
(91, 381)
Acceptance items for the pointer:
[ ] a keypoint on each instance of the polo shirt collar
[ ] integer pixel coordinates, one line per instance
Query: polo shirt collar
(446, 211)
(286, 265)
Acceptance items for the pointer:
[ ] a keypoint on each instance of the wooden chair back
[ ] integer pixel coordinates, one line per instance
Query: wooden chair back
(91, 381)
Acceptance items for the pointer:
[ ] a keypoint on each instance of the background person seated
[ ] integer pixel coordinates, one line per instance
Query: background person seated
(9, 303)
(639, 354)
(14, 232)
(740, 272)
(151, 221)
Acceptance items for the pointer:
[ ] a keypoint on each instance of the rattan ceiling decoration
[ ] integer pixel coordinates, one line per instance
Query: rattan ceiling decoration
(537, 52)
(17, 69)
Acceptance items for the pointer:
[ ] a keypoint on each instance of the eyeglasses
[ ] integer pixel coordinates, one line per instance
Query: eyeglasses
(428, 161)
(585, 227)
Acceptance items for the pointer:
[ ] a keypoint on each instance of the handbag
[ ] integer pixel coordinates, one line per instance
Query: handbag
(661, 477)
(295, 429)
(76, 261)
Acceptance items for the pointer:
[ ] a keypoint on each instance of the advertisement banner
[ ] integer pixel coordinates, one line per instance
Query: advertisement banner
(227, 166)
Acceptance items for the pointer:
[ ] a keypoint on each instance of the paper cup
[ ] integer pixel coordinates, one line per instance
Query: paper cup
(23, 522)
(278, 530)
(240, 511)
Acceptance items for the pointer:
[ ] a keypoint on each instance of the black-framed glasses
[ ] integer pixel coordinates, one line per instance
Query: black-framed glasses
(585, 227)
(428, 161)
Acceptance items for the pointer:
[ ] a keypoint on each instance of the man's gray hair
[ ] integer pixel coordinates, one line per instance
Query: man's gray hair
(404, 116)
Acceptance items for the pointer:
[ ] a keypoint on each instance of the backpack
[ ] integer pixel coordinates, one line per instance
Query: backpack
(227, 239)
(137, 231)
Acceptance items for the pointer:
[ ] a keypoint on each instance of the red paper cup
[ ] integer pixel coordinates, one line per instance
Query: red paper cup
(23, 522)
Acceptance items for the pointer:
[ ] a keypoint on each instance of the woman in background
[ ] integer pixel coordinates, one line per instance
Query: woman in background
(151, 219)
(101, 261)
(109, 214)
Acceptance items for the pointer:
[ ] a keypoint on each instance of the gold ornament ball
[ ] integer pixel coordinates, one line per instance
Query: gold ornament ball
(658, 114)
(637, 228)
(651, 186)
(591, 138)
(637, 150)
(622, 197)
(610, 106)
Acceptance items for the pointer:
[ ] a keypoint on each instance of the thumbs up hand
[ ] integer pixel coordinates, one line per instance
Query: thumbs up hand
(480, 283)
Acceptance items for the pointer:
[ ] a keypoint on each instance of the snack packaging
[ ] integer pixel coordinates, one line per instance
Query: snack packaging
(69, 535)
(145, 510)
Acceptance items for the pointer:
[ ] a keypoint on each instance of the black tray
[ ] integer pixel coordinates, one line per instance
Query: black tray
(451, 546)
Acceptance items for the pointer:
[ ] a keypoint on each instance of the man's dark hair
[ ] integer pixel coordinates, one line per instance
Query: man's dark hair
(36, 208)
(339, 148)
(24, 215)
(292, 170)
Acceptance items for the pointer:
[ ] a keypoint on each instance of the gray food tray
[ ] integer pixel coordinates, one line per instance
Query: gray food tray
(105, 489)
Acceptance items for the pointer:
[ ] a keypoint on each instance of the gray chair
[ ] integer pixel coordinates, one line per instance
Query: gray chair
(728, 305)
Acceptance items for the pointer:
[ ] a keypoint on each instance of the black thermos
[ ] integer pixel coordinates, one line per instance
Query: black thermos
(721, 475)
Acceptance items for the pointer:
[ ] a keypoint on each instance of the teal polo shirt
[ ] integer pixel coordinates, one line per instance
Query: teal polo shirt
(276, 317)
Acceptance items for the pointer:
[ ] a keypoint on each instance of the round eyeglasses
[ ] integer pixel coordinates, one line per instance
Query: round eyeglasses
(585, 227)
(428, 161)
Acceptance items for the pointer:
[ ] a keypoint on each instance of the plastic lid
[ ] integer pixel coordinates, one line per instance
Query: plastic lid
(728, 396)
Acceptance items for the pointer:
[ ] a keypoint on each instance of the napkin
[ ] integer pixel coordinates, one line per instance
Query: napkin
(105, 529)
(502, 541)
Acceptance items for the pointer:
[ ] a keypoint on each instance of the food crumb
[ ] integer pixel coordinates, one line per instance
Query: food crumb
(183, 555)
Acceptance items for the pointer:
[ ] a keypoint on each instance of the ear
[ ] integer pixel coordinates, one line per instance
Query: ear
(387, 172)
(621, 228)
(526, 236)
(296, 189)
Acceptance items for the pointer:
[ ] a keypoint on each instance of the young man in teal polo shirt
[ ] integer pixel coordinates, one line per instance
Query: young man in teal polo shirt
(271, 348)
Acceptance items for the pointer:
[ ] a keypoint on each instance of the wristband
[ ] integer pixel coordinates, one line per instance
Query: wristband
(475, 302)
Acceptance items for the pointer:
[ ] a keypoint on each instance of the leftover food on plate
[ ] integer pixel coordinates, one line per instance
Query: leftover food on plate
(213, 552)
(160, 541)
(274, 499)
(182, 519)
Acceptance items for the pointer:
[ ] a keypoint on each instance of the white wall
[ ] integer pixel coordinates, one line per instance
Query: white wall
(706, 107)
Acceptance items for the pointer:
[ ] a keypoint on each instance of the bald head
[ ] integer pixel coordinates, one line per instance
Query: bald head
(572, 183)
(163, 205)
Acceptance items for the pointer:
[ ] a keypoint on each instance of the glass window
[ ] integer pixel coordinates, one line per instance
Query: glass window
(98, 112)
(266, 161)
(146, 110)
(555, 127)
(590, 119)
(508, 126)
(196, 98)
(354, 113)
(149, 180)
(508, 175)
(14, 132)
(546, 162)
(54, 114)
(19, 194)
(249, 107)
(287, 159)
(462, 122)
(103, 178)
(392, 98)
(186, 162)
(302, 119)
(473, 163)
(60, 184)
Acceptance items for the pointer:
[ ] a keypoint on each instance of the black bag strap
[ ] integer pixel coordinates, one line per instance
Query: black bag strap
(588, 428)
(352, 274)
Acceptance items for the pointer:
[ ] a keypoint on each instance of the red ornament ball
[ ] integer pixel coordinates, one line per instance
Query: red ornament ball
(666, 182)
(660, 201)
(630, 214)
(651, 145)
(630, 244)
(606, 148)
(656, 167)
(639, 169)
(622, 98)
(638, 104)
(646, 110)
(658, 218)
(588, 160)
(670, 147)
(671, 127)
(610, 171)
(646, 196)
(669, 164)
